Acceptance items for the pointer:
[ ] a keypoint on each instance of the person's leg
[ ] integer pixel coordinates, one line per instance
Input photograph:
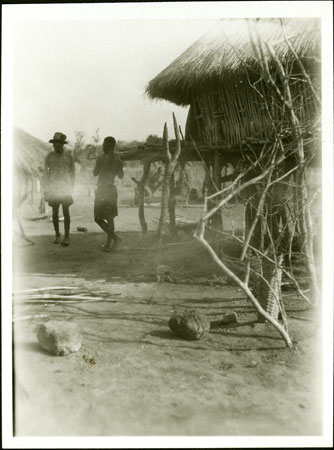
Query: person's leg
(67, 220)
(112, 235)
(55, 221)
(107, 227)
(110, 232)
(102, 224)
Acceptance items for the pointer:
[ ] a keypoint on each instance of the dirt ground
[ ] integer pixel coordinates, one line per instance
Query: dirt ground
(132, 375)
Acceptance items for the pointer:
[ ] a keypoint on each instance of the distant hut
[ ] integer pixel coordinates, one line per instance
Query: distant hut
(232, 110)
(29, 153)
(28, 163)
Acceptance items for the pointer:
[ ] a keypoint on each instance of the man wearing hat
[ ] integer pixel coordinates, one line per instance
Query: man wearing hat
(107, 167)
(59, 176)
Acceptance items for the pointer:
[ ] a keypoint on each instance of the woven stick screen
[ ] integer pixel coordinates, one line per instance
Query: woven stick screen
(236, 112)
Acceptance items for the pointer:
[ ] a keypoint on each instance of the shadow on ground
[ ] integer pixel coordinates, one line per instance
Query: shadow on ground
(136, 260)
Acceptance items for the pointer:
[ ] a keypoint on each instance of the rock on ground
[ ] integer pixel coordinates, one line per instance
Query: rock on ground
(190, 325)
(165, 274)
(59, 338)
(229, 317)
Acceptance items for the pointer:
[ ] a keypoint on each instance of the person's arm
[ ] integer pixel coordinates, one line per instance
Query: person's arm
(72, 171)
(96, 168)
(120, 171)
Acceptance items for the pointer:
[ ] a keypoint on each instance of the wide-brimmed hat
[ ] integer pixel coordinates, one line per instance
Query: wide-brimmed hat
(58, 137)
(109, 140)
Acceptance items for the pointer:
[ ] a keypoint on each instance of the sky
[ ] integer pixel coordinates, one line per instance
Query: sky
(79, 67)
(82, 75)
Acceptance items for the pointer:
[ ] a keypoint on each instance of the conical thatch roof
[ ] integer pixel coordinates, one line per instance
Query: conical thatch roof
(224, 51)
(29, 153)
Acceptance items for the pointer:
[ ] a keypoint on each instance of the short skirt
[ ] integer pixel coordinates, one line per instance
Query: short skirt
(55, 201)
(105, 205)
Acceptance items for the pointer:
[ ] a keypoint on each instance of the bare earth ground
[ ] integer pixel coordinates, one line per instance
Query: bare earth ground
(133, 376)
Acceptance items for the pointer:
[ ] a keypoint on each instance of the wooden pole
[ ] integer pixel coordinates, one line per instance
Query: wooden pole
(171, 205)
(165, 182)
(189, 153)
(141, 200)
(32, 190)
(210, 189)
(217, 168)
(42, 201)
(170, 163)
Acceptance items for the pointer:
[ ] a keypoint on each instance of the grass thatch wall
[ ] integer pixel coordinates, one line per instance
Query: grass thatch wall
(235, 113)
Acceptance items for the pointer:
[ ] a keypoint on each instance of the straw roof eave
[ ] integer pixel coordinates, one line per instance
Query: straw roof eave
(29, 153)
(225, 51)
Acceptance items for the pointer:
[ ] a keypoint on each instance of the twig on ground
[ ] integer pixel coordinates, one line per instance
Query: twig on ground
(37, 316)
(69, 297)
(49, 288)
(307, 319)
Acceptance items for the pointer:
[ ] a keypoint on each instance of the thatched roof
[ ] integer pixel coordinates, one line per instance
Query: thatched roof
(223, 51)
(29, 153)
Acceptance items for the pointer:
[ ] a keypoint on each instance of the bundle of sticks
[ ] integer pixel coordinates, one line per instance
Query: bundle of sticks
(58, 295)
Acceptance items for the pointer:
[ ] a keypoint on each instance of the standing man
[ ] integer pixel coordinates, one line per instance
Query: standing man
(107, 167)
(59, 176)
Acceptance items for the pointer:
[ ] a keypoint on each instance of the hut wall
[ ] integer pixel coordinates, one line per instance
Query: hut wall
(234, 112)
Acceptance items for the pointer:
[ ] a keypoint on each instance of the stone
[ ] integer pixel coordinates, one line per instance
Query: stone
(165, 274)
(59, 338)
(190, 325)
(228, 317)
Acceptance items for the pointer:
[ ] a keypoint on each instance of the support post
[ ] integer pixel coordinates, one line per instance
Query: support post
(210, 189)
(217, 221)
(141, 199)
(171, 205)
(170, 163)
(42, 201)
(32, 191)
(165, 183)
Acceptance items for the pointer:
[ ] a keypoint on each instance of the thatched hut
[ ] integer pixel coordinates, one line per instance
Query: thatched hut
(29, 153)
(28, 163)
(214, 74)
(233, 106)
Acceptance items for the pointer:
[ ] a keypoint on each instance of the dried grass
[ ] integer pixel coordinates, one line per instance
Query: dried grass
(225, 50)
(29, 153)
